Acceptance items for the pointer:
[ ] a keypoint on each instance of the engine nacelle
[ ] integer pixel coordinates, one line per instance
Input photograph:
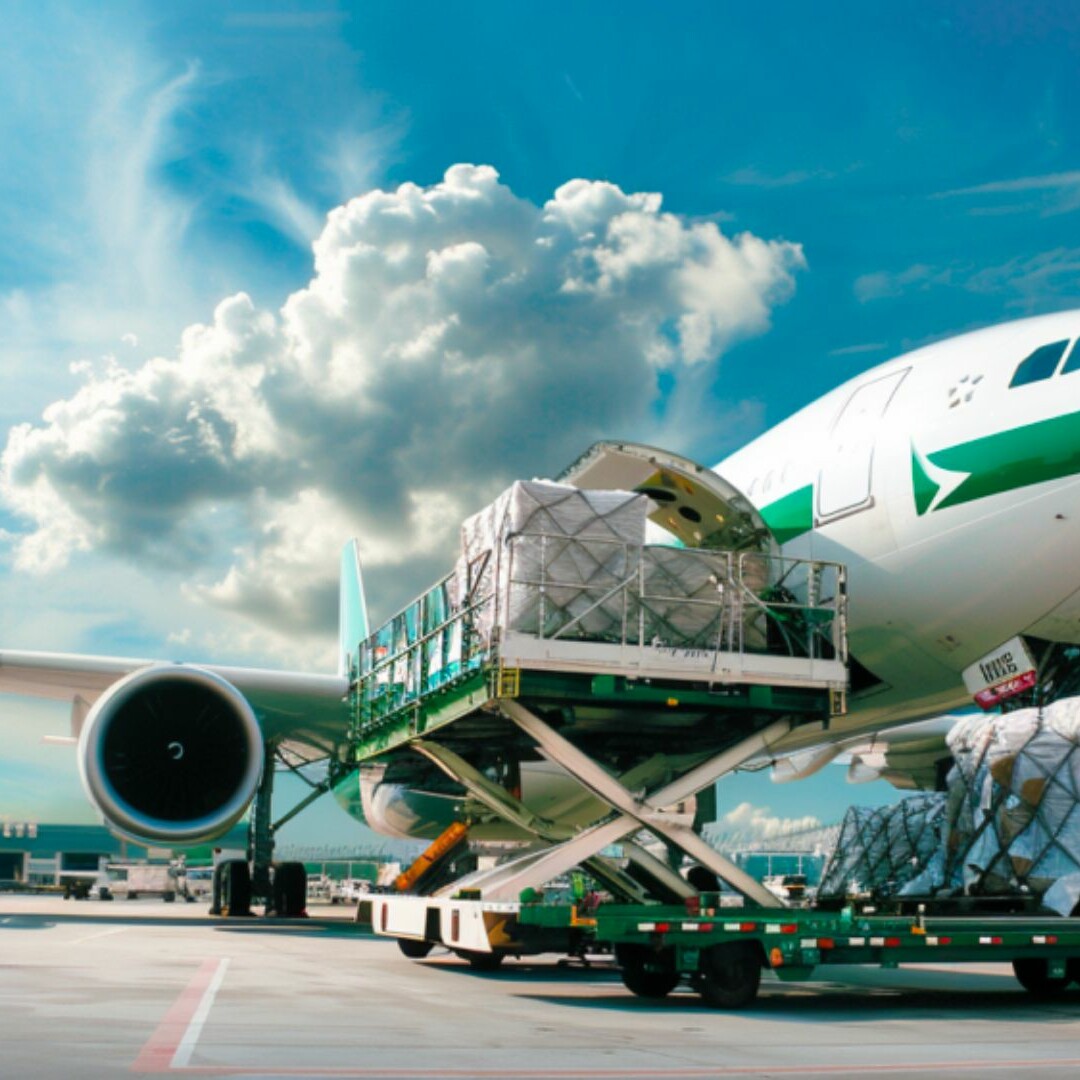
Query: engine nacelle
(171, 754)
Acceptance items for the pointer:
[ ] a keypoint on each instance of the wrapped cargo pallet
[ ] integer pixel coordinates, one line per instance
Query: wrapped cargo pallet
(550, 554)
(551, 560)
(1008, 824)
(881, 849)
(1014, 821)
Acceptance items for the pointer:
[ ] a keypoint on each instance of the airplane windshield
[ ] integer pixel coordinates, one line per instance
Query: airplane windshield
(1041, 364)
(1072, 362)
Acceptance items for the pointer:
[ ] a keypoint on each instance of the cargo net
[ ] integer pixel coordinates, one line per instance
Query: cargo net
(881, 849)
(1008, 823)
(1014, 801)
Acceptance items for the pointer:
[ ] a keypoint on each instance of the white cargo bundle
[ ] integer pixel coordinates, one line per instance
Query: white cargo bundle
(881, 849)
(549, 553)
(1015, 799)
(1009, 823)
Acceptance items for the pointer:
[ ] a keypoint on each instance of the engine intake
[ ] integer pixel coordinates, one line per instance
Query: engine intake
(171, 754)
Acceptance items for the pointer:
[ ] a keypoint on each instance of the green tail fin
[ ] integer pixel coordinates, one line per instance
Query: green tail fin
(352, 607)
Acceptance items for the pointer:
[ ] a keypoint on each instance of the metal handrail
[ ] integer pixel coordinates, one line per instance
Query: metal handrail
(799, 625)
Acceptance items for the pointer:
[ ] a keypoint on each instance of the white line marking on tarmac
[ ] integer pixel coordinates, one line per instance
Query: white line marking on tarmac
(99, 934)
(184, 1050)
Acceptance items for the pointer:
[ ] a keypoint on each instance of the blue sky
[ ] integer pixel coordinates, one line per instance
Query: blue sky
(192, 419)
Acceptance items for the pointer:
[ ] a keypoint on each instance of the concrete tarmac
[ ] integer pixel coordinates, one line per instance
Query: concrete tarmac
(90, 989)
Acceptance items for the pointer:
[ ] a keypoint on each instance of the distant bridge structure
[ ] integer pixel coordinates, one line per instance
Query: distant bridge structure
(818, 839)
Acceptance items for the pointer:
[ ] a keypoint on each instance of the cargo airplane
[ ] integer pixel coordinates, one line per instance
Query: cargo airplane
(947, 480)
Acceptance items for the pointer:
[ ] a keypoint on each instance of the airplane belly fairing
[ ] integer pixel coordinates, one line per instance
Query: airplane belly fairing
(418, 803)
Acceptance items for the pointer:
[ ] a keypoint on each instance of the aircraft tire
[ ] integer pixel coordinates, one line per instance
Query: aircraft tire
(730, 975)
(414, 949)
(646, 972)
(235, 887)
(1031, 973)
(290, 890)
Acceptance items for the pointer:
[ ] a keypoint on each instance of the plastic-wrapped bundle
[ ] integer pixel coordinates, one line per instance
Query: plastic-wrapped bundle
(682, 599)
(1014, 800)
(548, 559)
(1009, 822)
(550, 553)
(881, 849)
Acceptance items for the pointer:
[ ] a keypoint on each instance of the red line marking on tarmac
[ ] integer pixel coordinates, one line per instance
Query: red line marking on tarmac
(159, 1050)
(937, 1068)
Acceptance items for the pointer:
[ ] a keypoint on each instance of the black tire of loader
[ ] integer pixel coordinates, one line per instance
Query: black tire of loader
(730, 975)
(415, 948)
(482, 961)
(1032, 974)
(646, 972)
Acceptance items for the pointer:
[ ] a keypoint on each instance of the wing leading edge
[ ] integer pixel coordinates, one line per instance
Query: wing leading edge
(306, 711)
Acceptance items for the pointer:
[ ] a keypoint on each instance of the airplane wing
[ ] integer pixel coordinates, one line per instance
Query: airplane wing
(302, 715)
(301, 710)
(908, 757)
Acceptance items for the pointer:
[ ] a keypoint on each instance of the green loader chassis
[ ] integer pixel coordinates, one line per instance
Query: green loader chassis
(722, 952)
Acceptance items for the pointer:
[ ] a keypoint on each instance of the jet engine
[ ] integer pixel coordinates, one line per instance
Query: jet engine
(171, 754)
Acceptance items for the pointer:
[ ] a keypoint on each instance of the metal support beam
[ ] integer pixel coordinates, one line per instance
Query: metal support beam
(495, 798)
(317, 792)
(260, 831)
(527, 871)
(648, 812)
(508, 880)
(658, 869)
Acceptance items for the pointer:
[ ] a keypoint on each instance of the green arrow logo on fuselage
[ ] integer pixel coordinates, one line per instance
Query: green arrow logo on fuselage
(1005, 461)
(990, 465)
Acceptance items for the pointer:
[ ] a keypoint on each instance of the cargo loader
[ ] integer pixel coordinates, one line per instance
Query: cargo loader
(571, 684)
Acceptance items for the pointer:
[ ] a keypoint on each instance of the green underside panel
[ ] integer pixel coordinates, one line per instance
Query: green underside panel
(613, 702)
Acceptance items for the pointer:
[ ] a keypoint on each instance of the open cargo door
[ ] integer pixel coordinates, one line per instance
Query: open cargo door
(694, 504)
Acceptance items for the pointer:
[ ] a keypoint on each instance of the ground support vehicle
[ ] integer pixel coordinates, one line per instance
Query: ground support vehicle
(722, 952)
(642, 672)
(127, 881)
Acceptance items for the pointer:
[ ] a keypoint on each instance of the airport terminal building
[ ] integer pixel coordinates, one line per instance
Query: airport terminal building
(41, 855)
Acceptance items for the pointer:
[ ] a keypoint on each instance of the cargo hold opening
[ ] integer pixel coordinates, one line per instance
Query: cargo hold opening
(695, 506)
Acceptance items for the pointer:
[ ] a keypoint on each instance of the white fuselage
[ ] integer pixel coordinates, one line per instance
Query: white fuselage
(953, 499)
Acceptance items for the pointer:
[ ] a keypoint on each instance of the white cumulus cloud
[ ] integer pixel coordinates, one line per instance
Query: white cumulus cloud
(452, 338)
(758, 823)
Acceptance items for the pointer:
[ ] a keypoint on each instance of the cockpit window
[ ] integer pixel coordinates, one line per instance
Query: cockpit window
(1072, 361)
(1041, 364)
